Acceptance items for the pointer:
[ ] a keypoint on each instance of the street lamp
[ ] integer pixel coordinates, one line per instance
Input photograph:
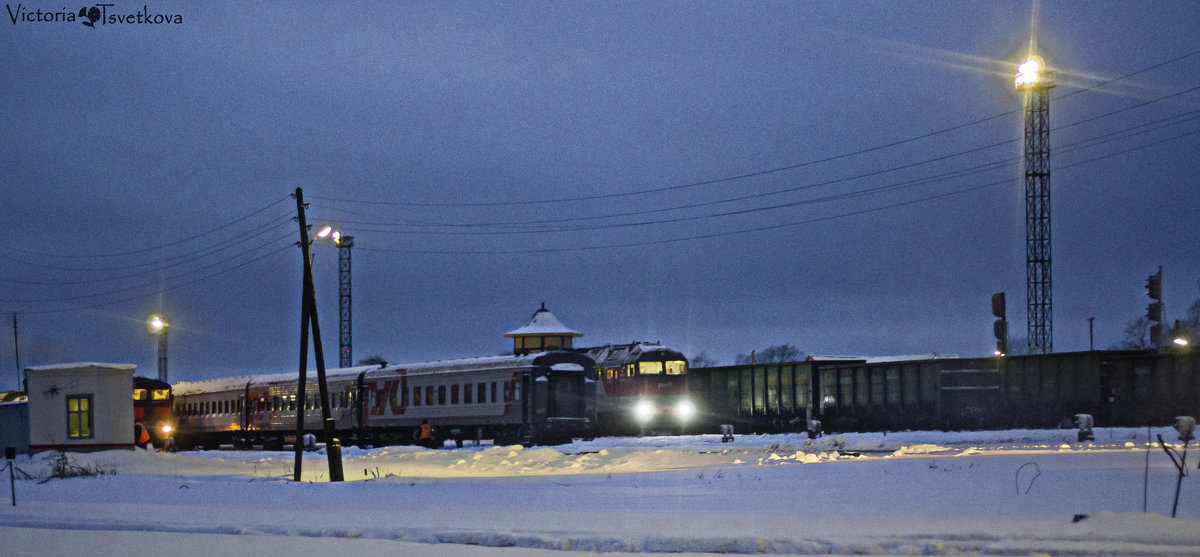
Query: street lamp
(157, 325)
(345, 302)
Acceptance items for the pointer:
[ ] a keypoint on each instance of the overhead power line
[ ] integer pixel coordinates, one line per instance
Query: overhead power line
(758, 173)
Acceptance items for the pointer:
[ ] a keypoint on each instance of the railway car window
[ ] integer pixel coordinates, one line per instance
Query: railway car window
(139, 394)
(429, 395)
(416, 396)
(482, 398)
(507, 394)
(453, 394)
(676, 367)
(441, 394)
(650, 368)
(79, 416)
(467, 393)
(394, 396)
(494, 399)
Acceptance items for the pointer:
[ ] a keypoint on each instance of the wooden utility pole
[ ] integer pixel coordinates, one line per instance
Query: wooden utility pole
(308, 317)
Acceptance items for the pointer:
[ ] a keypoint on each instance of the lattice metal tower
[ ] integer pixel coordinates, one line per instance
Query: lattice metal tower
(345, 243)
(1036, 82)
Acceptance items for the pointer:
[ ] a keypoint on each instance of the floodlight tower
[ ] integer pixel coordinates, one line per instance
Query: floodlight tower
(344, 244)
(157, 325)
(1036, 81)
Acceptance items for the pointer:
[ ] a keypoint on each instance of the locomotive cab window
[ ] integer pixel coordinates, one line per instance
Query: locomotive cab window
(650, 368)
(139, 394)
(160, 394)
(676, 367)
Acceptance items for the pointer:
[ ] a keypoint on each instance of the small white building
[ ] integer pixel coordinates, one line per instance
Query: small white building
(80, 407)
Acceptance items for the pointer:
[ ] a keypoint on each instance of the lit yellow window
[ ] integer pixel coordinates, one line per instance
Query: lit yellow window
(159, 394)
(650, 368)
(676, 367)
(139, 394)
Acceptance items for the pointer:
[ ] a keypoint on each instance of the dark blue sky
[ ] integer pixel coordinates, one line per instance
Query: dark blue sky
(708, 175)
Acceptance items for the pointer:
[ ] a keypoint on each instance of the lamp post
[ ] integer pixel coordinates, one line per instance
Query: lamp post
(1035, 81)
(345, 302)
(157, 325)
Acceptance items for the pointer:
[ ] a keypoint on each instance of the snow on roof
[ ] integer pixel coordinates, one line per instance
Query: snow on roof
(240, 382)
(543, 323)
(78, 365)
(611, 355)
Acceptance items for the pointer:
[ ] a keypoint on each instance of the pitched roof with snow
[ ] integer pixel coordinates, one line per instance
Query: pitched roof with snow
(80, 365)
(543, 323)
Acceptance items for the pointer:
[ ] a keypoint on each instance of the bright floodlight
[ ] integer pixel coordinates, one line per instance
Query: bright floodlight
(337, 238)
(156, 323)
(1180, 341)
(324, 231)
(1030, 71)
(643, 411)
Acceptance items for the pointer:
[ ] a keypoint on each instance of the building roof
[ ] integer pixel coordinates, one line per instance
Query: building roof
(543, 323)
(81, 365)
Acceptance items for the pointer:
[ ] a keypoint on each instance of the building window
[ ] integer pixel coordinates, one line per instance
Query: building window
(79, 416)
(482, 398)
(467, 393)
(454, 394)
(429, 395)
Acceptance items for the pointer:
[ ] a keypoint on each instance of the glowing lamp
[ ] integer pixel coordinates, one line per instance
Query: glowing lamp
(1180, 341)
(324, 231)
(1032, 72)
(643, 411)
(156, 324)
(685, 410)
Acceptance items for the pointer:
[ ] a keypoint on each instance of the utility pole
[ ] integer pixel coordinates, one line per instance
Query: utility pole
(308, 317)
(17, 353)
(1091, 344)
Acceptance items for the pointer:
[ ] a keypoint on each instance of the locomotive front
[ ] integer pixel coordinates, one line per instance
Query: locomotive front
(661, 400)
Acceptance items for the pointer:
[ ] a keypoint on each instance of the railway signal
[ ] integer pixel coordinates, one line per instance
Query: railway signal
(1154, 311)
(1000, 327)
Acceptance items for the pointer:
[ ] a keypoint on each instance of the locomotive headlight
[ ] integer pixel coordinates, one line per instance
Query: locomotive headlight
(685, 410)
(166, 429)
(643, 410)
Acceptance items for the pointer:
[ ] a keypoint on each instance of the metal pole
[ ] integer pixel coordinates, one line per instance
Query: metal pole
(162, 355)
(17, 353)
(1091, 343)
(332, 445)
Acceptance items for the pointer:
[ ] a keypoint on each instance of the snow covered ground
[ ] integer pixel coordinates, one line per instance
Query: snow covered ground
(1007, 492)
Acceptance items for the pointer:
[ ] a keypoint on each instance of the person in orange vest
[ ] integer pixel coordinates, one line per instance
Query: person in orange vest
(426, 437)
(143, 436)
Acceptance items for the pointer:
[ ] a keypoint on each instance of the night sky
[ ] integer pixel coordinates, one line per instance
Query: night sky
(721, 177)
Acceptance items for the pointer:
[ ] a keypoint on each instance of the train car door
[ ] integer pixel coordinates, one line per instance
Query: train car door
(566, 400)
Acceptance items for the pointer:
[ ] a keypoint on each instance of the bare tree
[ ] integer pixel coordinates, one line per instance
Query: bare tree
(701, 360)
(777, 353)
(1136, 335)
(375, 360)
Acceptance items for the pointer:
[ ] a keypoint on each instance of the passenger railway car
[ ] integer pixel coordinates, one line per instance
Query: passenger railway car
(643, 388)
(152, 410)
(543, 398)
